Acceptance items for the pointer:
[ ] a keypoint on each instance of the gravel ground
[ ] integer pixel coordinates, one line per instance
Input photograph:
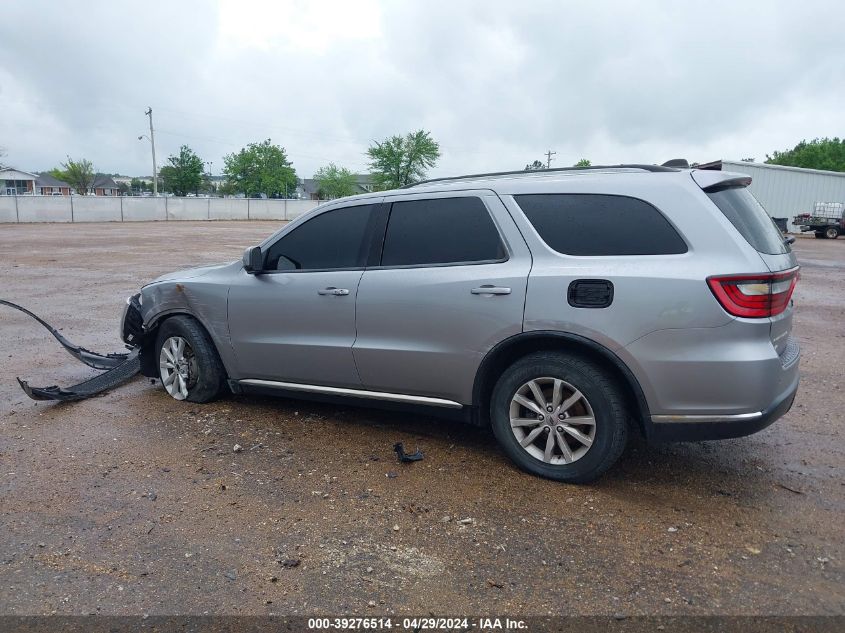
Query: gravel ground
(133, 503)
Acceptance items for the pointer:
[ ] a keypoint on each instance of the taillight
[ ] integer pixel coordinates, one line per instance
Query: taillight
(755, 296)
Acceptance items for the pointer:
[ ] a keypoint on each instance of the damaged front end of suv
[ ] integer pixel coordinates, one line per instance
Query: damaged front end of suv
(175, 320)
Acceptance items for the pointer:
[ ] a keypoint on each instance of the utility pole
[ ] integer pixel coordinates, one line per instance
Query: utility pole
(549, 154)
(149, 113)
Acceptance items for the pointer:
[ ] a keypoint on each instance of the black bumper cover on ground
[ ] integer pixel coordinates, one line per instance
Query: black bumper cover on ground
(119, 367)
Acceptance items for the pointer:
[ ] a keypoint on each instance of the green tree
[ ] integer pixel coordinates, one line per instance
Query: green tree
(79, 174)
(584, 162)
(535, 166)
(185, 172)
(820, 153)
(334, 182)
(402, 160)
(260, 168)
(167, 178)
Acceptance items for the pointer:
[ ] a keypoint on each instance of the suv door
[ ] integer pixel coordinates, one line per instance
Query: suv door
(295, 322)
(449, 285)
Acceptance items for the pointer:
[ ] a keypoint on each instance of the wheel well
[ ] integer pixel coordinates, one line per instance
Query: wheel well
(511, 350)
(149, 362)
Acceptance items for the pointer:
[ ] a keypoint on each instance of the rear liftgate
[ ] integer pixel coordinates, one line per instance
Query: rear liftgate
(117, 368)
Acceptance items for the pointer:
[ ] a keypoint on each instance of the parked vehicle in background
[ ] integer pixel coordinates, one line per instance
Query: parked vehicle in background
(564, 308)
(826, 221)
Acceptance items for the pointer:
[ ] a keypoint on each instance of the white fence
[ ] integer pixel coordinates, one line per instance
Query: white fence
(144, 209)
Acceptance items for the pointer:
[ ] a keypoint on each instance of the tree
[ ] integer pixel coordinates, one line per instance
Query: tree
(820, 153)
(398, 161)
(2, 154)
(334, 182)
(260, 168)
(79, 174)
(185, 172)
(535, 166)
(584, 162)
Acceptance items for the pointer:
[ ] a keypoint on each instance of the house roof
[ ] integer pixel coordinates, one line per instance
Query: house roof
(11, 173)
(103, 181)
(46, 179)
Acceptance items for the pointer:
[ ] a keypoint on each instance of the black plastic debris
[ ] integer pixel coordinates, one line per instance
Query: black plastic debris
(118, 367)
(406, 457)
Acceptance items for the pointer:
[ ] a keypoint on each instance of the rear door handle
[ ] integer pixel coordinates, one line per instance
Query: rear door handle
(491, 290)
(337, 292)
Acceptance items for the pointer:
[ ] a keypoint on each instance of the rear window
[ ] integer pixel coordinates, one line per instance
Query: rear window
(750, 219)
(598, 224)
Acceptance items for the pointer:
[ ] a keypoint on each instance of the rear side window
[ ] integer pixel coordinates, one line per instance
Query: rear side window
(334, 239)
(597, 224)
(750, 219)
(441, 231)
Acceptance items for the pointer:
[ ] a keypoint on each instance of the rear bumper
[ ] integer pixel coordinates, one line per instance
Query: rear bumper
(693, 428)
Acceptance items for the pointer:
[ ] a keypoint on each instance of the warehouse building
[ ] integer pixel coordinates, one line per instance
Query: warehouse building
(787, 191)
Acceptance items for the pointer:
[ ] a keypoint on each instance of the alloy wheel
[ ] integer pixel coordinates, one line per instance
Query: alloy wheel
(177, 367)
(552, 420)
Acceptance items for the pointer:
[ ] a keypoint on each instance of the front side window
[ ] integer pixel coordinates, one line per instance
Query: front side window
(441, 231)
(600, 225)
(334, 239)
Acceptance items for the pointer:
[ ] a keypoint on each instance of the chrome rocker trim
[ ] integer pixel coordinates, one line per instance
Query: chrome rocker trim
(355, 393)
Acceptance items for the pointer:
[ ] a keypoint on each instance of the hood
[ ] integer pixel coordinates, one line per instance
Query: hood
(190, 273)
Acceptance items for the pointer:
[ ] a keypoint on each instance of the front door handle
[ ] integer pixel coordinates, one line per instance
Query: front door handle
(337, 292)
(491, 290)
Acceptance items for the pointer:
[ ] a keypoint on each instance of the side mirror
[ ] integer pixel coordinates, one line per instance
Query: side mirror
(253, 260)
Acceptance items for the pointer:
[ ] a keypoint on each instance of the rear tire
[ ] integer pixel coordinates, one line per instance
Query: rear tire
(831, 232)
(559, 379)
(189, 366)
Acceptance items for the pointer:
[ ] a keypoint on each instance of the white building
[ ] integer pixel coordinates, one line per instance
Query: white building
(787, 191)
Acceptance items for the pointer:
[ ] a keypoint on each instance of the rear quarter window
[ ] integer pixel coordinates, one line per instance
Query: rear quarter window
(750, 218)
(600, 225)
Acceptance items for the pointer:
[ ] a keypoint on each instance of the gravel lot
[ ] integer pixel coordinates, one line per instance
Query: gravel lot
(133, 503)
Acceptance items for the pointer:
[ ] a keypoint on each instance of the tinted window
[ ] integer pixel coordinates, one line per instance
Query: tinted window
(591, 224)
(334, 239)
(440, 231)
(750, 219)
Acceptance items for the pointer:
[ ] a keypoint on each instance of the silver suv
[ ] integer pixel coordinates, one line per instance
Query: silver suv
(563, 308)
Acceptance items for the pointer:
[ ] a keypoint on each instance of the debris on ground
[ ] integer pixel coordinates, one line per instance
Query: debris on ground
(290, 563)
(406, 457)
(117, 367)
(237, 448)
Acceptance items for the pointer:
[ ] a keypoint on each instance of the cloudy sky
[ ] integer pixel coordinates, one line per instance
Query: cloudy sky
(496, 83)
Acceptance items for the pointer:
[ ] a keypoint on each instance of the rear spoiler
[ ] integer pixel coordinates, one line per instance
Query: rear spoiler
(711, 181)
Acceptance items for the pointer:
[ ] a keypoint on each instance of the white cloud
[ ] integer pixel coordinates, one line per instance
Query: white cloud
(497, 83)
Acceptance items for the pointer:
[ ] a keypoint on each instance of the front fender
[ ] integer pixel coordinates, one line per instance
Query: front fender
(207, 302)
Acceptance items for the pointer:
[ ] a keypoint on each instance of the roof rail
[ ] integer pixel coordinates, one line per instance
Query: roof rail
(496, 174)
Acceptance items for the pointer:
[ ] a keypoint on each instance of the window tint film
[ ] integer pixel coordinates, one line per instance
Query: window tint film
(750, 219)
(334, 239)
(440, 231)
(593, 224)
